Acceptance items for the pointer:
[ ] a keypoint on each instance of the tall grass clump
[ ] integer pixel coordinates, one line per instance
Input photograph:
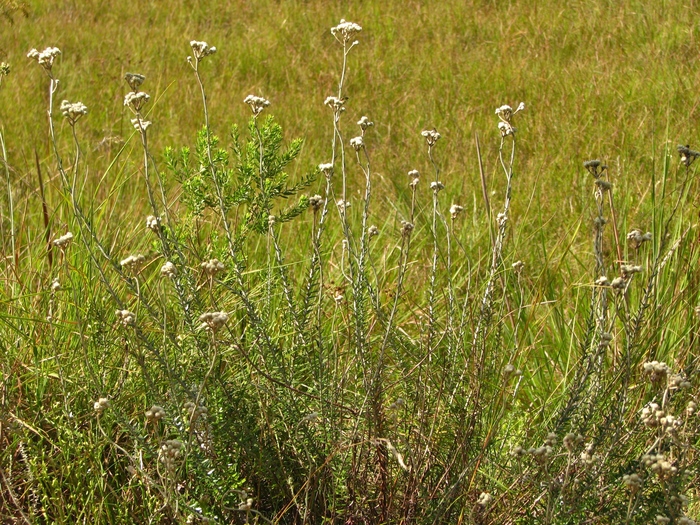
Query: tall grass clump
(243, 345)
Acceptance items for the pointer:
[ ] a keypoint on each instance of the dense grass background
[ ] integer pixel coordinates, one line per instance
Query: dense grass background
(600, 80)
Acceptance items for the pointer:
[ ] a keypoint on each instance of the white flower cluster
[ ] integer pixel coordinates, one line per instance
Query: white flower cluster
(436, 186)
(406, 228)
(55, 285)
(326, 169)
(213, 320)
(656, 370)
(134, 80)
(212, 267)
(652, 415)
(357, 143)
(153, 223)
(201, 49)
(364, 123)
(101, 405)
(135, 100)
(518, 266)
(46, 57)
(455, 210)
(691, 408)
(595, 167)
(73, 111)
(336, 104)
(619, 284)
(431, 136)
(344, 32)
(636, 238)
(63, 241)
(372, 231)
(572, 440)
(659, 465)
(678, 381)
(132, 262)
(316, 202)
(415, 178)
(633, 482)
(125, 317)
(485, 499)
(628, 270)
(587, 456)
(169, 453)
(505, 114)
(194, 411)
(168, 270)
(257, 104)
(155, 413)
(140, 124)
(343, 205)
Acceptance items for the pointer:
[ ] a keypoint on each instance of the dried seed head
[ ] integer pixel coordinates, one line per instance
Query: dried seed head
(134, 80)
(518, 267)
(595, 167)
(343, 205)
(687, 155)
(406, 228)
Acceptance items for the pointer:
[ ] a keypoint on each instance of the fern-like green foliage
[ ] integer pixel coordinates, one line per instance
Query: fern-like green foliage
(250, 179)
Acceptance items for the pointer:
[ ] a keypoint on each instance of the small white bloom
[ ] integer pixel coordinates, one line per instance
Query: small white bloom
(357, 143)
(168, 270)
(436, 186)
(316, 202)
(364, 123)
(372, 231)
(212, 267)
(135, 100)
(63, 241)
(125, 317)
(101, 405)
(257, 104)
(344, 32)
(73, 111)
(140, 124)
(485, 499)
(455, 210)
(431, 136)
(213, 320)
(153, 223)
(201, 49)
(326, 169)
(46, 57)
(132, 262)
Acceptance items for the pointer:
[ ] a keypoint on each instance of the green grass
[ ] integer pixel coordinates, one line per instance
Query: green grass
(302, 391)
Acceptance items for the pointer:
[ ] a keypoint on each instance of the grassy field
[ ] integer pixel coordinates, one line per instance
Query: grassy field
(521, 361)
